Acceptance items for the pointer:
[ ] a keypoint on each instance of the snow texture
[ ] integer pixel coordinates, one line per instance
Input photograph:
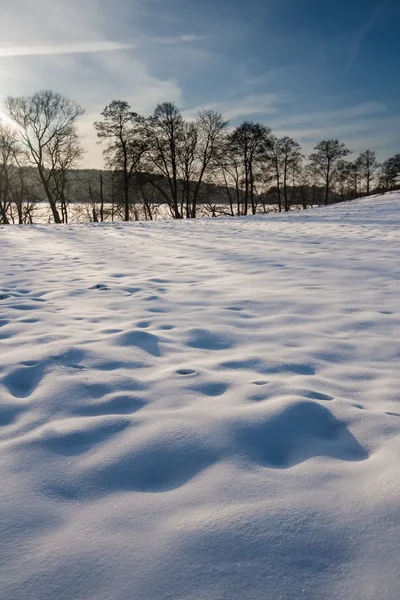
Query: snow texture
(202, 410)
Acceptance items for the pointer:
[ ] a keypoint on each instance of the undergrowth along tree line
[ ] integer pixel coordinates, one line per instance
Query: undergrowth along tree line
(166, 165)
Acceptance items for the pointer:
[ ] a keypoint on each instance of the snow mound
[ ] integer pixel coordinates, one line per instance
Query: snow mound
(202, 410)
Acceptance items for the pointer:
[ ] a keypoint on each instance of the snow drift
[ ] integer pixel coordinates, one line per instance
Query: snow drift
(202, 410)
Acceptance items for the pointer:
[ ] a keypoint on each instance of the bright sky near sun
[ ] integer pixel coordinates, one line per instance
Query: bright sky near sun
(308, 68)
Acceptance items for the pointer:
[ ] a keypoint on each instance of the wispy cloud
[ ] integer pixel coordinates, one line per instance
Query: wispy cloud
(179, 39)
(360, 36)
(332, 117)
(243, 107)
(57, 49)
(357, 125)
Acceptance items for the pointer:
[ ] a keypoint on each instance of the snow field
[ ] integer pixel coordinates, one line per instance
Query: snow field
(202, 410)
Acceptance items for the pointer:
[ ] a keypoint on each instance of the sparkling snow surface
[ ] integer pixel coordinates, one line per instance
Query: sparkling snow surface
(202, 410)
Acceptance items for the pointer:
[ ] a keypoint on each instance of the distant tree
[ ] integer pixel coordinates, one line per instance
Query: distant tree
(389, 176)
(148, 196)
(291, 157)
(247, 145)
(47, 128)
(305, 187)
(354, 177)
(274, 161)
(313, 178)
(96, 196)
(125, 147)
(9, 150)
(325, 159)
(284, 159)
(343, 179)
(16, 199)
(368, 165)
(164, 134)
(198, 155)
(230, 172)
(181, 155)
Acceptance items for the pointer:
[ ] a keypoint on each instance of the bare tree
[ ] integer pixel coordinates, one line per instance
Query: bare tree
(164, 132)
(125, 148)
(343, 178)
(274, 157)
(96, 195)
(247, 145)
(297, 175)
(305, 187)
(17, 200)
(324, 162)
(148, 196)
(230, 178)
(389, 177)
(355, 178)
(202, 145)
(285, 156)
(368, 165)
(47, 127)
(9, 150)
(181, 155)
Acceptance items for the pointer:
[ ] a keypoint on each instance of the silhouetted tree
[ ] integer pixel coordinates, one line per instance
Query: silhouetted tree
(9, 151)
(164, 133)
(354, 177)
(390, 173)
(342, 179)
(17, 201)
(290, 159)
(274, 156)
(47, 128)
(247, 145)
(368, 167)
(230, 173)
(181, 155)
(325, 159)
(125, 146)
(198, 155)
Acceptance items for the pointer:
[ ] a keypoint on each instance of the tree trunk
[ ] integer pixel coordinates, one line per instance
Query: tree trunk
(112, 197)
(285, 188)
(253, 206)
(231, 207)
(126, 200)
(55, 213)
(101, 199)
(278, 183)
(246, 192)
(3, 214)
(278, 189)
(53, 206)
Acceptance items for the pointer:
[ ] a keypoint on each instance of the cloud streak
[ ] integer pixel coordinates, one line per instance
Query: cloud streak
(242, 107)
(59, 49)
(179, 39)
(363, 32)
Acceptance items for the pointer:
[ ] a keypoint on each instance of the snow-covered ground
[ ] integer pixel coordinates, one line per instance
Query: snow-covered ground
(202, 410)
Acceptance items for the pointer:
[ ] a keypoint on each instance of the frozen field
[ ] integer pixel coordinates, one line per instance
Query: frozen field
(202, 410)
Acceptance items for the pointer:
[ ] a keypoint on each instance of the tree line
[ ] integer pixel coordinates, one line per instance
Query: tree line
(166, 164)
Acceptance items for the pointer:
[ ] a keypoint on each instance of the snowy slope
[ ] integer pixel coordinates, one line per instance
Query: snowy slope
(202, 410)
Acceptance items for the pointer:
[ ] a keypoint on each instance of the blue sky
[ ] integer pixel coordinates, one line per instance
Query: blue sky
(310, 69)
